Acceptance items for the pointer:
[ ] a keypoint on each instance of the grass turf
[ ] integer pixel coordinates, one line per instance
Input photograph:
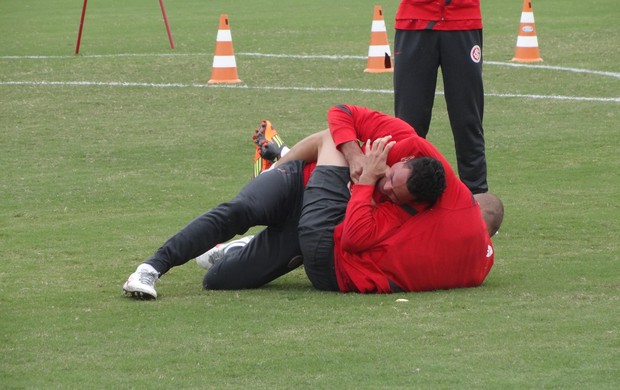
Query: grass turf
(95, 177)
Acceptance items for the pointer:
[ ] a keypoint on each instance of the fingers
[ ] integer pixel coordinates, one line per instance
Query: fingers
(380, 145)
(388, 147)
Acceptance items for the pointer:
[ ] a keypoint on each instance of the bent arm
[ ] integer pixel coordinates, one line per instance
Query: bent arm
(351, 123)
(307, 149)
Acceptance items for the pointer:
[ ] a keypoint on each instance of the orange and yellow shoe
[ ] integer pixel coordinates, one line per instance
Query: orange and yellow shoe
(268, 141)
(260, 164)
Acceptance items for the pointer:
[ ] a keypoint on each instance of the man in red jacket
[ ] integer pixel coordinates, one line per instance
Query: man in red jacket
(388, 241)
(447, 34)
(275, 199)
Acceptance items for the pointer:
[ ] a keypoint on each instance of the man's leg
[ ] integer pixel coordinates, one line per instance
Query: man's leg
(464, 93)
(270, 254)
(266, 200)
(275, 251)
(325, 203)
(416, 60)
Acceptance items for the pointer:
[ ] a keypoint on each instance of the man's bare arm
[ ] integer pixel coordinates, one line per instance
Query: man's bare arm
(307, 149)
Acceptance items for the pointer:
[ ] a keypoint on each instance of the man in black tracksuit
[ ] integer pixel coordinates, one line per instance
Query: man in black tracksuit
(446, 33)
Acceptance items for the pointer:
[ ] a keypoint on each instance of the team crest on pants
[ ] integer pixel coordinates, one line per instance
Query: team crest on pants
(476, 54)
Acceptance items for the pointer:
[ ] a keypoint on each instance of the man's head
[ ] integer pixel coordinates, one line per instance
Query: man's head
(492, 210)
(414, 180)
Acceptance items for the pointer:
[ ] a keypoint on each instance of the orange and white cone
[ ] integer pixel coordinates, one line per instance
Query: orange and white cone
(379, 55)
(527, 41)
(224, 64)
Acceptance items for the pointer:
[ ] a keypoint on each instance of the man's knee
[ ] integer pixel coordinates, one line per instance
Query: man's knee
(211, 281)
(328, 153)
(215, 280)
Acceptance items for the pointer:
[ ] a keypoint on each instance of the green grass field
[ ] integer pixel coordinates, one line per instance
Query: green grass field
(107, 154)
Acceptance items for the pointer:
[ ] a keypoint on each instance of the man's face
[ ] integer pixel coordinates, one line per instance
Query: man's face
(394, 184)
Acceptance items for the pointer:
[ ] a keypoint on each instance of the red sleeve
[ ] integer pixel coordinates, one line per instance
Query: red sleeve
(365, 224)
(350, 123)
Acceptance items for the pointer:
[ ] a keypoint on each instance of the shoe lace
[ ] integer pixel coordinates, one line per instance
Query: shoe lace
(147, 278)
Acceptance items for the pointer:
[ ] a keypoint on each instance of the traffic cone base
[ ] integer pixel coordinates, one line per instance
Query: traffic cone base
(224, 75)
(224, 63)
(379, 55)
(378, 64)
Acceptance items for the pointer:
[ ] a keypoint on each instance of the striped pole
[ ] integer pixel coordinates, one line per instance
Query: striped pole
(224, 64)
(379, 55)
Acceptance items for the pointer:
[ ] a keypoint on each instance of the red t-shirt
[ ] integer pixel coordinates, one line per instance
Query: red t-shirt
(438, 15)
(446, 246)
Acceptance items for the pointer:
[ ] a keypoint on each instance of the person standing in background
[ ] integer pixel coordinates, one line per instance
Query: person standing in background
(447, 34)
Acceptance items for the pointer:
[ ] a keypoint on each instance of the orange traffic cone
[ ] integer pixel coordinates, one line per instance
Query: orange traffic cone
(224, 64)
(379, 55)
(527, 42)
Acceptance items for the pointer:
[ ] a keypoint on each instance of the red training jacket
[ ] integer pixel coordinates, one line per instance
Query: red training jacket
(438, 15)
(446, 246)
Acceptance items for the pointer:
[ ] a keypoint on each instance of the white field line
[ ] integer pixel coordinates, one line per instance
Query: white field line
(549, 67)
(301, 56)
(282, 88)
(310, 89)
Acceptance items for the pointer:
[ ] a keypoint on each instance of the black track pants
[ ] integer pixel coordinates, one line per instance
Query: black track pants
(273, 199)
(418, 54)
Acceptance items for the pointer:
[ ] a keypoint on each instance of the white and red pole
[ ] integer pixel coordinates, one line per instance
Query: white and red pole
(79, 38)
(163, 12)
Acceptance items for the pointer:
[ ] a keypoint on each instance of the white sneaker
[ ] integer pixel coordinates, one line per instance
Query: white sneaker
(216, 254)
(141, 284)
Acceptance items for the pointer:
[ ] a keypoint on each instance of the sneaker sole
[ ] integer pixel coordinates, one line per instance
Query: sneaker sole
(139, 295)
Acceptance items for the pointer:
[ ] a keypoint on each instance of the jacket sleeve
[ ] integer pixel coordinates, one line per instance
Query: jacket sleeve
(350, 123)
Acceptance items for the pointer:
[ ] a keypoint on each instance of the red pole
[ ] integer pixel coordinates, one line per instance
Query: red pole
(79, 39)
(163, 12)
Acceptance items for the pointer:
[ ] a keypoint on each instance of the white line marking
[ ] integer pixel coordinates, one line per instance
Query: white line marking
(549, 67)
(281, 88)
(306, 56)
(303, 56)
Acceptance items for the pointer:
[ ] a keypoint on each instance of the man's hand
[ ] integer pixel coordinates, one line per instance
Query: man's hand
(374, 162)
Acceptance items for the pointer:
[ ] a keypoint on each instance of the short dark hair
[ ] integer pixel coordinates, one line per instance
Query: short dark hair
(427, 180)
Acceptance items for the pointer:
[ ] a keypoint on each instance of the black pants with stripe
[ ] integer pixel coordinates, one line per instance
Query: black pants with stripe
(273, 199)
(418, 54)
